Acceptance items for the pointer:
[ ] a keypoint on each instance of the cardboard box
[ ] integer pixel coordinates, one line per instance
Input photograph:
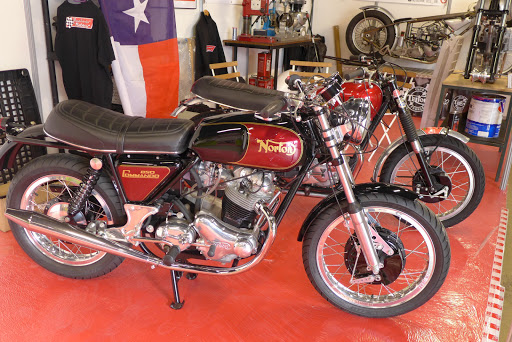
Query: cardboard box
(267, 83)
(4, 224)
(264, 64)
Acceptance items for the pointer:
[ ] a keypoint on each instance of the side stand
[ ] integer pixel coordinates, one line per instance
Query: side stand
(175, 278)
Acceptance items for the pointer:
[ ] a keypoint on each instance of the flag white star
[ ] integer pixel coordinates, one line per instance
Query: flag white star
(137, 12)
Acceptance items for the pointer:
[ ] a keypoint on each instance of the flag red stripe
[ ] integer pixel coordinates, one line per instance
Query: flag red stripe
(160, 65)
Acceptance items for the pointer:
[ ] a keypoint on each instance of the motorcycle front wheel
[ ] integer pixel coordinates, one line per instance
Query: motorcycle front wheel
(368, 32)
(453, 164)
(335, 264)
(46, 185)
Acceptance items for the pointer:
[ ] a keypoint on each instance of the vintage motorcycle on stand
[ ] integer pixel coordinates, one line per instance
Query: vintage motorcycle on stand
(374, 31)
(210, 197)
(433, 162)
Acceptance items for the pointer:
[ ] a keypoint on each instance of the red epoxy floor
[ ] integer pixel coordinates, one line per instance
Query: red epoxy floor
(272, 302)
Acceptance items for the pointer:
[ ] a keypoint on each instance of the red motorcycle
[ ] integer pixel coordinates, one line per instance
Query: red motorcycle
(208, 198)
(433, 162)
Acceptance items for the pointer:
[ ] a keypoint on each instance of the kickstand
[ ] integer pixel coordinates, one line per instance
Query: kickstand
(175, 277)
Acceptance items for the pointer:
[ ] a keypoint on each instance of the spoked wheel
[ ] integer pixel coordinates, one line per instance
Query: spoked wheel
(368, 32)
(337, 268)
(46, 185)
(452, 164)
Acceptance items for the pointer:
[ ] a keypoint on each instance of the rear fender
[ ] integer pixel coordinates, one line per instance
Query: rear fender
(10, 149)
(359, 189)
(378, 8)
(421, 132)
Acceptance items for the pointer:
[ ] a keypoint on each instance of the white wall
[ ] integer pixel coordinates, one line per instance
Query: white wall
(14, 46)
(327, 13)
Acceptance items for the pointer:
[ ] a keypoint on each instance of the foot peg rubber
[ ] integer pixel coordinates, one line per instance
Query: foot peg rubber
(170, 255)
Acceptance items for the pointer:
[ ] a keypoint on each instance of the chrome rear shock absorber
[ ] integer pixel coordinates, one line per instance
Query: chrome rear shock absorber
(77, 203)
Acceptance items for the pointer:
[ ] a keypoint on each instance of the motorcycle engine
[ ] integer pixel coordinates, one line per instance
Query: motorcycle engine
(425, 42)
(224, 229)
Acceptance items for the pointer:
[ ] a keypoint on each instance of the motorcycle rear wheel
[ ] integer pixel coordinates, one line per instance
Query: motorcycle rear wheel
(45, 185)
(424, 257)
(360, 41)
(458, 161)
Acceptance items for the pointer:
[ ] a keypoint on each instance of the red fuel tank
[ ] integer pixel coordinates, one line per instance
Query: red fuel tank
(362, 90)
(272, 147)
(241, 141)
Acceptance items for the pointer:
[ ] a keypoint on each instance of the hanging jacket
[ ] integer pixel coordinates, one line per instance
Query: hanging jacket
(209, 48)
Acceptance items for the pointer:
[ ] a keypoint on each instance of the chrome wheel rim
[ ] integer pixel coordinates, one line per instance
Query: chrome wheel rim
(456, 168)
(49, 195)
(360, 36)
(419, 266)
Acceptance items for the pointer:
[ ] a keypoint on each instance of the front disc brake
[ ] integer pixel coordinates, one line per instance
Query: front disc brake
(393, 265)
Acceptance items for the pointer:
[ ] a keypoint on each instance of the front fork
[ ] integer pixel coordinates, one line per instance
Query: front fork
(355, 210)
(412, 137)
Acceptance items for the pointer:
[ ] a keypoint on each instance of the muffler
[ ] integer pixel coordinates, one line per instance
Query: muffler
(43, 224)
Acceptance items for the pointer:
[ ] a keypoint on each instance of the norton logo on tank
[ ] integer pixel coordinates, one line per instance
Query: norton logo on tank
(277, 147)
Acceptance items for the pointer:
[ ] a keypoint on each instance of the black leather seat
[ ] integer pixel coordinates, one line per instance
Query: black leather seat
(235, 94)
(98, 129)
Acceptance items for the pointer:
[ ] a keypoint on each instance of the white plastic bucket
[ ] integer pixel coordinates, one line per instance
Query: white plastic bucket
(485, 115)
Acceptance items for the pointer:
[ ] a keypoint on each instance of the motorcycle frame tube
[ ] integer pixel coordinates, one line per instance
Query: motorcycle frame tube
(355, 211)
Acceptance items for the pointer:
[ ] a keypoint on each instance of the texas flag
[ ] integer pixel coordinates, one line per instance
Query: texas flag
(146, 68)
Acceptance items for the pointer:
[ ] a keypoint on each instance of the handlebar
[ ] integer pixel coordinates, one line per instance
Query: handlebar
(354, 74)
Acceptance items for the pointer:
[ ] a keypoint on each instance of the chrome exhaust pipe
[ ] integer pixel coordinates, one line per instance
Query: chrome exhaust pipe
(43, 224)
(47, 225)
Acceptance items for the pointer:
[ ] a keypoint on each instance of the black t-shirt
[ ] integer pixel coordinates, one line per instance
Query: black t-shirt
(85, 53)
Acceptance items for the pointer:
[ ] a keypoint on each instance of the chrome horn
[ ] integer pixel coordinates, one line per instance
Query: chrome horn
(43, 224)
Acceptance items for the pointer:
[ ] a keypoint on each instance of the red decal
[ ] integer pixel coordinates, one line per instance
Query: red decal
(210, 48)
(79, 22)
(139, 181)
(272, 147)
(432, 130)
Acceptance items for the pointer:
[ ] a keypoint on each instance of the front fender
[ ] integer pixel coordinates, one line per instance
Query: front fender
(424, 131)
(10, 149)
(359, 189)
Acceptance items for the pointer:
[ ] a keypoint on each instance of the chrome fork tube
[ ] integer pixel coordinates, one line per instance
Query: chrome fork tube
(355, 211)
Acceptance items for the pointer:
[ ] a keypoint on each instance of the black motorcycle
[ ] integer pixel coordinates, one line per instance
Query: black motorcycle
(207, 197)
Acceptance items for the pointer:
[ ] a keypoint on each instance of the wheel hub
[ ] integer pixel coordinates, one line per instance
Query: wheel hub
(441, 182)
(393, 265)
(59, 210)
(370, 35)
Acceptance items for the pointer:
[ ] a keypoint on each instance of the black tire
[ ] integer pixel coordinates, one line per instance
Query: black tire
(450, 156)
(356, 27)
(56, 255)
(327, 257)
